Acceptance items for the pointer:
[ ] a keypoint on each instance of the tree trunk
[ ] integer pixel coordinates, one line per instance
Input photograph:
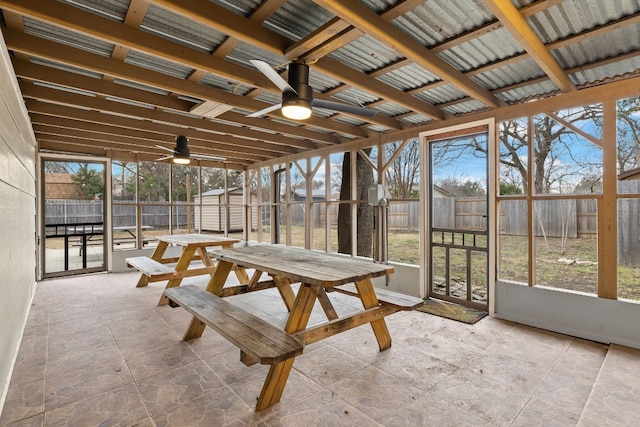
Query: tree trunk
(364, 178)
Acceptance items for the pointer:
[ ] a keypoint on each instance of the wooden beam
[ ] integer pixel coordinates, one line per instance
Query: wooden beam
(363, 18)
(524, 35)
(117, 142)
(38, 109)
(143, 138)
(336, 33)
(217, 17)
(133, 38)
(35, 72)
(53, 51)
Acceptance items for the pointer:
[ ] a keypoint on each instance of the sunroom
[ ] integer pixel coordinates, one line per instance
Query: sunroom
(484, 153)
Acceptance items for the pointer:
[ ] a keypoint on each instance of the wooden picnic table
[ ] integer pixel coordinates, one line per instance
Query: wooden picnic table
(194, 247)
(317, 273)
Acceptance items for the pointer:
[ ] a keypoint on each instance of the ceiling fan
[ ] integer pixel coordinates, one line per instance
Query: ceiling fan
(182, 155)
(297, 95)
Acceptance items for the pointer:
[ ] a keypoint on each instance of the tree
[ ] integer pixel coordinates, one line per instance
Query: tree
(403, 175)
(560, 157)
(51, 166)
(509, 189)
(91, 181)
(364, 178)
(153, 182)
(628, 134)
(460, 187)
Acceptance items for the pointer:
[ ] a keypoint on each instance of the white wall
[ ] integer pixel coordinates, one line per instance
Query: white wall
(17, 218)
(579, 315)
(571, 313)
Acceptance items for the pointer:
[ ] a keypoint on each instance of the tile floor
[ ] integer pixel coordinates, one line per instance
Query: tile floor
(98, 351)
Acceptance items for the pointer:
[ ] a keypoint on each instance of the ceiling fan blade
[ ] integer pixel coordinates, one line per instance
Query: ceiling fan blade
(272, 75)
(345, 108)
(164, 148)
(265, 110)
(205, 157)
(164, 158)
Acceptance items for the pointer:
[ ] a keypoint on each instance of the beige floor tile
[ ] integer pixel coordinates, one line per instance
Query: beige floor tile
(35, 421)
(22, 402)
(230, 369)
(376, 393)
(521, 374)
(120, 406)
(94, 355)
(298, 388)
(328, 365)
(82, 382)
(363, 345)
(611, 410)
(568, 392)
(431, 411)
(482, 396)
(323, 409)
(544, 414)
(193, 395)
(620, 373)
(583, 359)
(416, 368)
(110, 355)
(156, 361)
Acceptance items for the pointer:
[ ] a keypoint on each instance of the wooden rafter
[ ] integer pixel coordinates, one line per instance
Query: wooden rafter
(363, 18)
(520, 30)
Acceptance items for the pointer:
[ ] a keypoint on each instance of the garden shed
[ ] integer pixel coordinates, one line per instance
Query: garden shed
(214, 210)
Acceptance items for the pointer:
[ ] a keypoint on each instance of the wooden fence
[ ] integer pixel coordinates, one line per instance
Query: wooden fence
(555, 218)
(79, 211)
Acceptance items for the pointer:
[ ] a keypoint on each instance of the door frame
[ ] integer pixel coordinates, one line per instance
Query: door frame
(41, 157)
(425, 205)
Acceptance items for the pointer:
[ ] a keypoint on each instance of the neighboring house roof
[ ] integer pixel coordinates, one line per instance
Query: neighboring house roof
(441, 192)
(61, 186)
(630, 175)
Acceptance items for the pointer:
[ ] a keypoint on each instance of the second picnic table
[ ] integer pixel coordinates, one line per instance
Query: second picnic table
(194, 247)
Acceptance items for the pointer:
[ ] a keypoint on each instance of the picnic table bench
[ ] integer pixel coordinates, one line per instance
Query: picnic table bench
(258, 340)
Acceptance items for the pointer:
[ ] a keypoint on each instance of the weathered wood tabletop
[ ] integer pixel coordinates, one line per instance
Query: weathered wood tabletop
(300, 265)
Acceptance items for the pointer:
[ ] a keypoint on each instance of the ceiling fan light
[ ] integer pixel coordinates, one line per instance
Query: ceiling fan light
(181, 152)
(181, 160)
(296, 109)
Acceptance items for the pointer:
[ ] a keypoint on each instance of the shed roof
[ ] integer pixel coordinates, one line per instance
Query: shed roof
(221, 191)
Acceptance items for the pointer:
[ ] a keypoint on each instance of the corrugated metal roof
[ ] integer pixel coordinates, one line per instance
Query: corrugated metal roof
(435, 21)
(493, 58)
(176, 28)
(66, 67)
(156, 64)
(366, 54)
(297, 18)
(224, 83)
(112, 9)
(67, 37)
(408, 77)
